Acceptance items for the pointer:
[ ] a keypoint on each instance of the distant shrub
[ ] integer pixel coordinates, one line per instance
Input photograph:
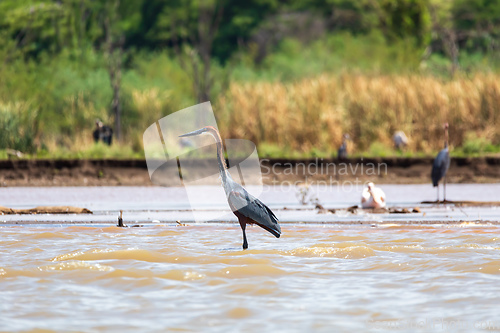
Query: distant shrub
(17, 126)
(475, 145)
(379, 149)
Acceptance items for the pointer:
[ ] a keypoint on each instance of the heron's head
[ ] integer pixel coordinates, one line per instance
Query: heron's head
(207, 129)
(194, 133)
(347, 137)
(370, 186)
(445, 126)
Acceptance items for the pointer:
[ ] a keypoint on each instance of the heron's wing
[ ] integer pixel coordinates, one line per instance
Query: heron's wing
(251, 207)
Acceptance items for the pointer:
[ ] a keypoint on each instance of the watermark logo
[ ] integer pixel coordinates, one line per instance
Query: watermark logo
(191, 162)
(323, 175)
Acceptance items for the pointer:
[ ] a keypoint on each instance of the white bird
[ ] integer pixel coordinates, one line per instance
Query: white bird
(400, 140)
(372, 197)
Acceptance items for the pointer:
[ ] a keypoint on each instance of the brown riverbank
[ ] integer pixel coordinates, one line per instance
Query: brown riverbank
(275, 171)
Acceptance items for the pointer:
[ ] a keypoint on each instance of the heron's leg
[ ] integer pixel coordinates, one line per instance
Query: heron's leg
(437, 201)
(245, 243)
(444, 197)
(243, 227)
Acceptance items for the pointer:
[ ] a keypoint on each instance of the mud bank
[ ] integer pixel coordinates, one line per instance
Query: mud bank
(274, 171)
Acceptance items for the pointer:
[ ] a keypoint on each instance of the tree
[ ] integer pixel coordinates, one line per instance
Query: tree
(201, 32)
(478, 24)
(29, 28)
(444, 29)
(406, 18)
(114, 41)
(192, 28)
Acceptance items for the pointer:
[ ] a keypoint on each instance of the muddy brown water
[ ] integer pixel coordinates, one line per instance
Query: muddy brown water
(326, 273)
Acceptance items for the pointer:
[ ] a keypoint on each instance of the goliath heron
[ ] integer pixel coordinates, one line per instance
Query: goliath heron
(441, 165)
(372, 197)
(246, 207)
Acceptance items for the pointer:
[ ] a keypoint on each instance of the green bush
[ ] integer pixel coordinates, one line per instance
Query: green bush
(475, 145)
(379, 149)
(17, 126)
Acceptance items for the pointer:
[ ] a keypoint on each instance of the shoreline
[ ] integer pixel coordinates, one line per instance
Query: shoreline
(116, 172)
(372, 223)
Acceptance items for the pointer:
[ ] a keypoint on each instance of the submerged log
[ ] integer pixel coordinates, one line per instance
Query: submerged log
(46, 210)
(463, 203)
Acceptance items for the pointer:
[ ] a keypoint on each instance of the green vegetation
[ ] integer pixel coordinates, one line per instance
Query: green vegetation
(65, 63)
(475, 146)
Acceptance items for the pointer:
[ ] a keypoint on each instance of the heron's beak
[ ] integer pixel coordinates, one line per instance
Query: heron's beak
(193, 133)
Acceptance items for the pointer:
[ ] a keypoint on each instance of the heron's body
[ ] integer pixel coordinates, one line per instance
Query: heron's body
(373, 197)
(440, 168)
(247, 208)
(441, 165)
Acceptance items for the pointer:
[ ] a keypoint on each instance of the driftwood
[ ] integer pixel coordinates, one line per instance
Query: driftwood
(463, 203)
(393, 210)
(46, 210)
(404, 210)
(354, 210)
(323, 210)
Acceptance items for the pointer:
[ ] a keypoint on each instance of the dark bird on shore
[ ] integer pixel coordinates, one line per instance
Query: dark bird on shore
(120, 220)
(246, 207)
(342, 152)
(441, 165)
(103, 132)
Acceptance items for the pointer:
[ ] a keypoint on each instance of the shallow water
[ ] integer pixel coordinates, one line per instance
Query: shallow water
(169, 204)
(337, 276)
(196, 278)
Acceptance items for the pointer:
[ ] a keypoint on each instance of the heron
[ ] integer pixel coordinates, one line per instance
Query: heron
(342, 152)
(400, 140)
(372, 197)
(247, 208)
(441, 165)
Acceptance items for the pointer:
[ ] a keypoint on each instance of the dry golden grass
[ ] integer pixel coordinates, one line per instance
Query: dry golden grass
(150, 104)
(315, 112)
(311, 114)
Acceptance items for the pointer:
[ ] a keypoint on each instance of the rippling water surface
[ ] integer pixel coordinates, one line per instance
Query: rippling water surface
(196, 278)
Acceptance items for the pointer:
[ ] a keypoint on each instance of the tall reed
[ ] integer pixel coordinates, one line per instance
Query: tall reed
(315, 112)
(17, 126)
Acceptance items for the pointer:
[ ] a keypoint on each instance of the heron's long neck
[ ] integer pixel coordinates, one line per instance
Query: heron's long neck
(220, 155)
(446, 137)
